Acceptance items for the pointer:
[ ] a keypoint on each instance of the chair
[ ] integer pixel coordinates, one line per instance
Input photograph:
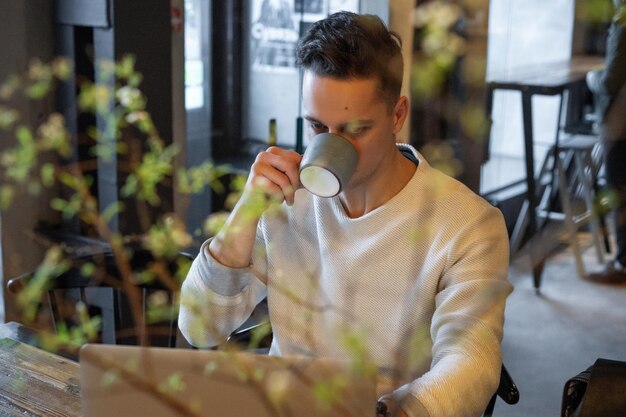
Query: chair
(570, 173)
(246, 336)
(507, 390)
(105, 294)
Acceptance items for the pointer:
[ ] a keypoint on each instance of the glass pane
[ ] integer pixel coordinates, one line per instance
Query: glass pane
(528, 33)
(194, 64)
(197, 101)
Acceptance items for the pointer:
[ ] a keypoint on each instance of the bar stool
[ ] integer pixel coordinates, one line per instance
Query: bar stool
(569, 175)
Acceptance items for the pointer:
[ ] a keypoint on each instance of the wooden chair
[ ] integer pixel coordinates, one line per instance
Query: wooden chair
(153, 319)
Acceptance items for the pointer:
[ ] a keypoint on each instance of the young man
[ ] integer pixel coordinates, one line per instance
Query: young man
(405, 258)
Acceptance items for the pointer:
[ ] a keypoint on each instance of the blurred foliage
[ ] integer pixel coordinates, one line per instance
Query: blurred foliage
(594, 11)
(43, 157)
(25, 167)
(441, 156)
(444, 73)
(173, 384)
(438, 47)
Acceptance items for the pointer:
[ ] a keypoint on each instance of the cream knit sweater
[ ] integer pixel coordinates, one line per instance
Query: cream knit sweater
(422, 280)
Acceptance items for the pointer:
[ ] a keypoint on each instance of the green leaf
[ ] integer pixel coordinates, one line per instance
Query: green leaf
(20, 160)
(88, 269)
(166, 238)
(131, 98)
(258, 334)
(112, 209)
(38, 90)
(329, 391)
(135, 79)
(109, 378)
(88, 328)
(24, 135)
(144, 277)
(62, 68)
(125, 68)
(173, 384)
(67, 208)
(182, 179)
(30, 297)
(74, 182)
(58, 204)
(183, 266)
(159, 314)
(210, 367)
(154, 168)
(140, 119)
(47, 174)
(6, 196)
(107, 70)
(215, 222)
(8, 118)
(53, 135)
(239, 182)
(95, 98)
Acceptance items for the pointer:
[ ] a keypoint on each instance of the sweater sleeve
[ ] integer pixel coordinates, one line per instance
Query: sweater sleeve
(216, 300)
(466, 328)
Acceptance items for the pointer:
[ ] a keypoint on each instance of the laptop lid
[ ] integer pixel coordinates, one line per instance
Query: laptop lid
(132, 381)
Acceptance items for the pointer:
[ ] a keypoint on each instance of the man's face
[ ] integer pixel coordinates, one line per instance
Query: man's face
(355, 110)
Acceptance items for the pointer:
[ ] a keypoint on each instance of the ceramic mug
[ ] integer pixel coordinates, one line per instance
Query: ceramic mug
(327, 164)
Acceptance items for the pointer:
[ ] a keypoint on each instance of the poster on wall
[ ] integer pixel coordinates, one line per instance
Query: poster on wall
(274, 33)
(311, 10)
(347, 5)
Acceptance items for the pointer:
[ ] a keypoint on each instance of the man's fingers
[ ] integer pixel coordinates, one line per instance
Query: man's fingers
(287, 162)
(275, 183)
(267, 189)
(277, 170)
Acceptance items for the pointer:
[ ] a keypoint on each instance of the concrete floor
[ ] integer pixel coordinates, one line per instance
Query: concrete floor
(551, 337)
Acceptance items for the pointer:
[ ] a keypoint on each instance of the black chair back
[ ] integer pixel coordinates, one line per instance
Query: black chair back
(139, 307)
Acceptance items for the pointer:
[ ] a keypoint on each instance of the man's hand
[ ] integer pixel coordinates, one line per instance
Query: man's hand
(274, 174)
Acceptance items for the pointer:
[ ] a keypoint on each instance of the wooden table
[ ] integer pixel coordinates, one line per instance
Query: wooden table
(552, 79)
(34, 382)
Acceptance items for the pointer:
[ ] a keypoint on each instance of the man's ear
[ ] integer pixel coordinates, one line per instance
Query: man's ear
(400, 113)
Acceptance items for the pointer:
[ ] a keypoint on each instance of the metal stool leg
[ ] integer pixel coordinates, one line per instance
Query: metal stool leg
(569, 216)
(585, 174)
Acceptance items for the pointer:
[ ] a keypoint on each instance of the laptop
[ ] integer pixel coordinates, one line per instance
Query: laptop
(132, 381)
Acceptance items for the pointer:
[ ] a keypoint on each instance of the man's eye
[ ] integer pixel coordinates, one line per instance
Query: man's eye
(356, 129)
(318, 126)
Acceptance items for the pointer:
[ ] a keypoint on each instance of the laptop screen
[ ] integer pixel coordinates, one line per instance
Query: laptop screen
(134, 381)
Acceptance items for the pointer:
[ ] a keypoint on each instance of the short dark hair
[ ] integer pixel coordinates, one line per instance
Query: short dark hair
(348, 45)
